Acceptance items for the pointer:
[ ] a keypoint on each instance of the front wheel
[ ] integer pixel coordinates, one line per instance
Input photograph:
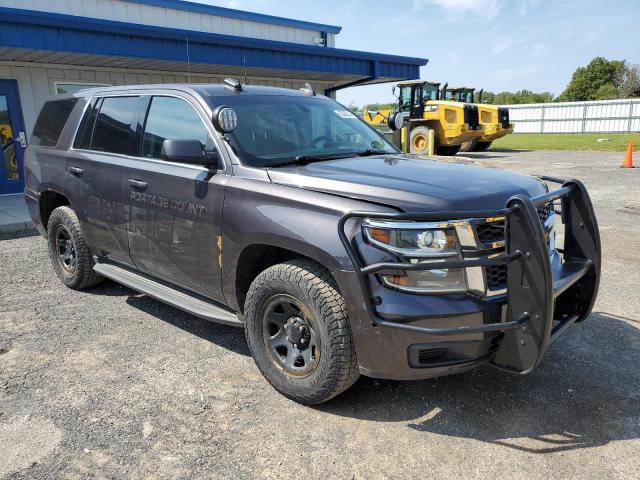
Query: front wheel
(298, 332)
(419, 140)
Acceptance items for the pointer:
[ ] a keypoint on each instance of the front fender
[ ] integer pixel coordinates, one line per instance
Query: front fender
(295, 219)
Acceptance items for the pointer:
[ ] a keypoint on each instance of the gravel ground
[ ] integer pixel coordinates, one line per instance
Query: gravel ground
(111, 384)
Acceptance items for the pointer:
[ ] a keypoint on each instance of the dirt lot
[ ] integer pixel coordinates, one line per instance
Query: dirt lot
(108, 383)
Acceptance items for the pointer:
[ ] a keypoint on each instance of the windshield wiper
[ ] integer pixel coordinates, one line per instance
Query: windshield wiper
(370, 151)
(315, 158)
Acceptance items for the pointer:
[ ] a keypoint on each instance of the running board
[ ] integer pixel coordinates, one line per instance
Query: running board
(177, 298)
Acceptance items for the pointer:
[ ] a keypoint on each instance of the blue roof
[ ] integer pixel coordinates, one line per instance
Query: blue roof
(35, 30)
(238, 14)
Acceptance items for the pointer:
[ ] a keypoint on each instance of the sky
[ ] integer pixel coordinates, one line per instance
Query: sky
(498, 45)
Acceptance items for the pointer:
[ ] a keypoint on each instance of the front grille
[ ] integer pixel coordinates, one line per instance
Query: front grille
(492, 232)
(503, 116)
(471, 116)
(496, 277)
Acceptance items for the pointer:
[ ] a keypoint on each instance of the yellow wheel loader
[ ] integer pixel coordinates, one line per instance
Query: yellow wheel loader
(420, 110)
(494, 120)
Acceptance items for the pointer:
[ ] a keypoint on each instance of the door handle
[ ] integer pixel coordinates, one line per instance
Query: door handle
(138, 184)
(76, 171)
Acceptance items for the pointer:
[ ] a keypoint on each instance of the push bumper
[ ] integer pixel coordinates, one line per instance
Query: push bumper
(512, 331)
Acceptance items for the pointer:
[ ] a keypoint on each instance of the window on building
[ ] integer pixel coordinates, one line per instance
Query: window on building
(174, 119)
(51, 121)
(114, 131)
(73, 87)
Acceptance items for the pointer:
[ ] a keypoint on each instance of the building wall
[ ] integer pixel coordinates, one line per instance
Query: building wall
(602, 116)
(123, 11)
(36, 81)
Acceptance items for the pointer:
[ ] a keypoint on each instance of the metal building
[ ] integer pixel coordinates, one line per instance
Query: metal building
(56, 46)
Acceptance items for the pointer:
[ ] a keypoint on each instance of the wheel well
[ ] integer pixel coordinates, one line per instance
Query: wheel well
(49, 201)
(255, 259)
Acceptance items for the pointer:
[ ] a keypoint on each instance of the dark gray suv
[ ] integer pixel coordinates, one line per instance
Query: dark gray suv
(282, 212)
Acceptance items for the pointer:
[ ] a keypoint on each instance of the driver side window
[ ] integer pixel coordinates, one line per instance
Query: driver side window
(171, 118)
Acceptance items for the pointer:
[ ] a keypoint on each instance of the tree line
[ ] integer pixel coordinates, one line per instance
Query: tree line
(601, 79)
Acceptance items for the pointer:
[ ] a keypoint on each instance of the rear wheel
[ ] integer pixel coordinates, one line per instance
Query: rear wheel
(298, 332)
(419, 140)
(482, 146)
(72, 260)
(469, 146)
(448, 150)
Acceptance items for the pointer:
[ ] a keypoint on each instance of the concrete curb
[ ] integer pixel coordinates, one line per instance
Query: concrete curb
(16, 227)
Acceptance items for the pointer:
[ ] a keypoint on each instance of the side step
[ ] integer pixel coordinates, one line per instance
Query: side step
(184, 301)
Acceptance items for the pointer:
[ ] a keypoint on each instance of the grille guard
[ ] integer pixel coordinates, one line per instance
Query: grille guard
(541, 302)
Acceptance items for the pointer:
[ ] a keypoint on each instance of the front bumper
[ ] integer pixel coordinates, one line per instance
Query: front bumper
(420, 336)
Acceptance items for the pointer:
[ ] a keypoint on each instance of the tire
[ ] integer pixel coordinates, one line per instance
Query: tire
(482, 146)
(448, 150)
(322, 367)
(71, 258)
(419, 140)
(469, 146)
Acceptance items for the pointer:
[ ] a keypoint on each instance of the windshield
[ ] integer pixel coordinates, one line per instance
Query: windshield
(278, 129)
(430, 92)
(460, 95)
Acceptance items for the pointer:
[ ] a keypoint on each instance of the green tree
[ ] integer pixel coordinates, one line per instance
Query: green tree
(628, 81)
(488, 97)
(608, 91)
(522, 96)
(589, 82)
(380, 106)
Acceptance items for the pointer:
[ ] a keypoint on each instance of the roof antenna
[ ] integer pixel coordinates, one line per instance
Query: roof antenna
(188, 61)
(244, 63)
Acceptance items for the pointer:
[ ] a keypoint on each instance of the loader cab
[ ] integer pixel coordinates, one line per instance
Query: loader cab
(413, 95)
(463, 94)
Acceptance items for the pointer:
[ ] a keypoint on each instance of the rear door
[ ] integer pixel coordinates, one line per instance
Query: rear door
(107, 140)
(174, 210)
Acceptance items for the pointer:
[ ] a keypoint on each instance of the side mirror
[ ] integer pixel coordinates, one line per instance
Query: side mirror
(188, 151)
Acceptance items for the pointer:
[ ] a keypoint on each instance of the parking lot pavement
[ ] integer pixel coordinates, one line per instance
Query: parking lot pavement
(112, 384)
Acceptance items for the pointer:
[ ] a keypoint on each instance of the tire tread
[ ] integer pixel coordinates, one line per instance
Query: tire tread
(84, 276)
(322, 289)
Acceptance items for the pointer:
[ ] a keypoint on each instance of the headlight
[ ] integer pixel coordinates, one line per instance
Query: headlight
(419, 242)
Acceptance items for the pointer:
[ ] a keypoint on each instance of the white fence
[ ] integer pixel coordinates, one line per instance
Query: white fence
(602, 116)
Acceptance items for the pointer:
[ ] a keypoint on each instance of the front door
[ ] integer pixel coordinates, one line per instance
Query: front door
(12, 138)
(175, 210)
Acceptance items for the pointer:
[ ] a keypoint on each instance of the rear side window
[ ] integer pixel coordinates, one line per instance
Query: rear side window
(114, 129)
(51, 121)
(85, 129)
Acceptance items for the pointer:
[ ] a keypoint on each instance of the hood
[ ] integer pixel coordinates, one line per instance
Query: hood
(448, 103)
(410, 184)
